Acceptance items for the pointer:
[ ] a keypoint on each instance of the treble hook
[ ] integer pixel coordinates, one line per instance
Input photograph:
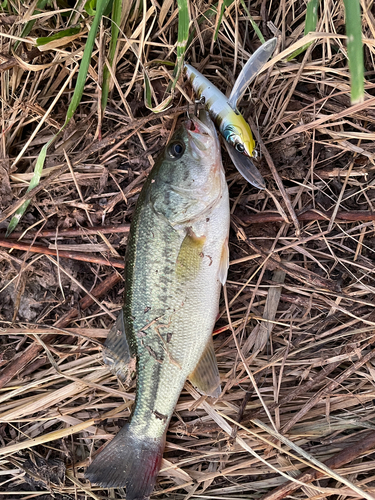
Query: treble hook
(197, 102)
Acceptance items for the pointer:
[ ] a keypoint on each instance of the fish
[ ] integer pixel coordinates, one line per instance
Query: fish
(177, 260)
(239, 139)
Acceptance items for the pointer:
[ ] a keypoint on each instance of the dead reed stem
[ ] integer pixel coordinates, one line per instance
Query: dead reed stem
(295, 343)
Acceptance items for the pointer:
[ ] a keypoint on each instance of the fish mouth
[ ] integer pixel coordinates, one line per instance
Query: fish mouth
(200, 134)
(194, 124)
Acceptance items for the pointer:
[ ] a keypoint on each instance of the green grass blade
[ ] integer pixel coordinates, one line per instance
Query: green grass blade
(101, 5)
(355, 49)
(57, 36)
(183, 27)
(253, 23)
(182, 41)
(148, 91)
(29, 25)
(33, 183)
(115, 30)
(182, 37)
(310, 25)
(90, 7)
(226, 3)
(311, 16)
(76, 99)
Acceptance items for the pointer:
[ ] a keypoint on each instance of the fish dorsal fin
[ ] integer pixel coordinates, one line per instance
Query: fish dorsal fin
(116, 352)
(205, 378)
(246, 167)
(190, 256)
(224, 262)
(250, 71)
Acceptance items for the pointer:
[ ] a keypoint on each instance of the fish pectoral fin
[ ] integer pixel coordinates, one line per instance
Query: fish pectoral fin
(205, 378)
(190, 256)
(116, 352)
(224, 262)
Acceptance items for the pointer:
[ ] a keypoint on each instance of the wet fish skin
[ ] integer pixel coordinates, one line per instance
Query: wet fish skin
(176, 261)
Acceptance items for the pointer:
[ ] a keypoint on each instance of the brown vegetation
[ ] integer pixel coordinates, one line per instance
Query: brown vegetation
(294, 340)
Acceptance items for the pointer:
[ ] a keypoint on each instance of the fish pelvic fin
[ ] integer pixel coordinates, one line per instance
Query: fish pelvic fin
(128, 460)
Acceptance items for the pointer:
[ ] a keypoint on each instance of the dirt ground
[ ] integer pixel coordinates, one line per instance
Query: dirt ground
(294, 340)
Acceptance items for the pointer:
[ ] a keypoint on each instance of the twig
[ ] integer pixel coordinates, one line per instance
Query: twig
(33, 350)
(104, 261)
(276, 176)
(343, 457)
(259, 218)
(65, 233)
(309, 215)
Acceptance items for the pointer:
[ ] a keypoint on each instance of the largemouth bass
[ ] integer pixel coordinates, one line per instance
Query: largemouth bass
(176, 261)
(223, 111)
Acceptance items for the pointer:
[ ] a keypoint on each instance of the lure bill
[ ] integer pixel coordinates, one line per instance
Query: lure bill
(223, 111)
(176, 262)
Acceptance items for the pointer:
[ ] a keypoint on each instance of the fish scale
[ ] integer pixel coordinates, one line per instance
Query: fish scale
(176, 260)
(183, 304)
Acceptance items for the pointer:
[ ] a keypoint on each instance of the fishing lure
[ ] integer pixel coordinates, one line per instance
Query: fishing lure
(223, 111)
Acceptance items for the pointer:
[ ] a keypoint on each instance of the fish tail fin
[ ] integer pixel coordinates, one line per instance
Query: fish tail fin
(128, 461)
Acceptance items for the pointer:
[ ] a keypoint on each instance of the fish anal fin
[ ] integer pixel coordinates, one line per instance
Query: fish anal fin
(116, 352)
(206, 378)
(190, 256)
(224, 262)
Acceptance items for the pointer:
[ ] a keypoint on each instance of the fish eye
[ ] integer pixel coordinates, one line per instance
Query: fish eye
(240, 147)
(176, 150)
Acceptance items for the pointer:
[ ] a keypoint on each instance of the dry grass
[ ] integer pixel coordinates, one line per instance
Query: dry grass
(295, 338)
